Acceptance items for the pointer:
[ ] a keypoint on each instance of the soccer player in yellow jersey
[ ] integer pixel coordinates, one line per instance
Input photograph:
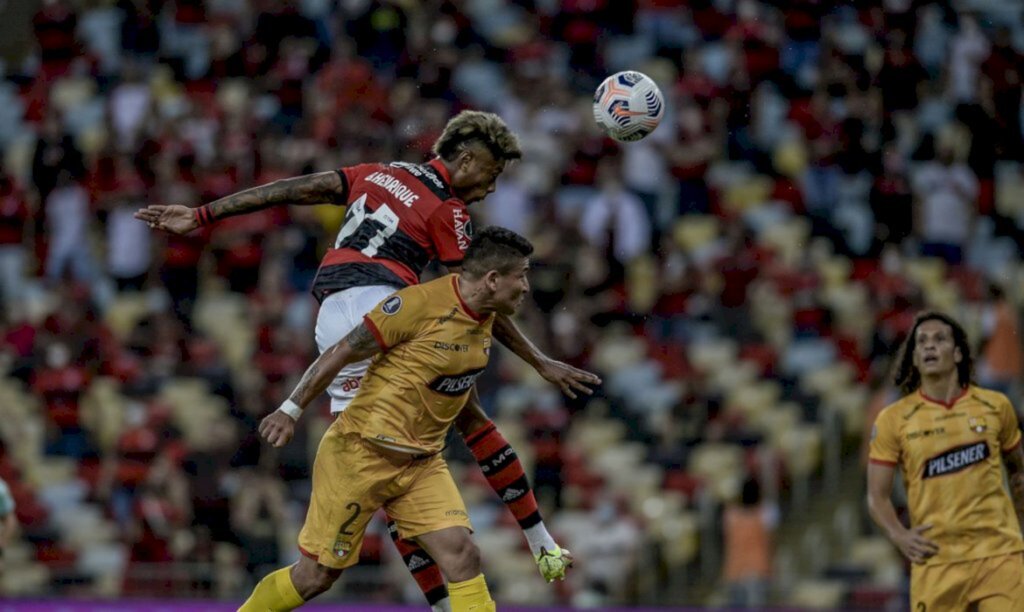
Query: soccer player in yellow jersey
(431, 342)
(951, 439)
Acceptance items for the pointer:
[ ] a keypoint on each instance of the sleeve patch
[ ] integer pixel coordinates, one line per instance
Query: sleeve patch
(391, 305)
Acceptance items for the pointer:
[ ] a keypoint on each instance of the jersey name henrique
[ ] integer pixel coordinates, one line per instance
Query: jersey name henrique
(400, 217)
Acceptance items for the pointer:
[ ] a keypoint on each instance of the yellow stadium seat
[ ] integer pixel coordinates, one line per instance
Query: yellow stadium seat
(789, 240)
(927, 272)
(817, 594)
(124, 313)
(835, 271)
(747, 194)
(713, 355)
(720, 466)
(693, 232)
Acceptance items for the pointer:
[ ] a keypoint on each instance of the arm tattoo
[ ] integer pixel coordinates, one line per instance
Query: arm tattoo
(358, 345)
(363, 344)
(302, 389)
(319, 188)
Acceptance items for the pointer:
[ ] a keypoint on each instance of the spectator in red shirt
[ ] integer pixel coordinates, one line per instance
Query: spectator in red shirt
(60, 383)
(54, 26)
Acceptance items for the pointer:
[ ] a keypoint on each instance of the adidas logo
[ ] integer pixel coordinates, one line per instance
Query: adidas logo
(416, 563)
(512, 494)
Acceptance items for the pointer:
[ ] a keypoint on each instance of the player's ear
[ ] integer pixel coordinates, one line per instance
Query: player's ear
(491, 280)
(958, 356)
(464, 160)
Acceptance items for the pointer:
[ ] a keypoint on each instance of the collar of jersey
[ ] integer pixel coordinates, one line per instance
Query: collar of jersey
(438, 165)
(473, 315)
(946, 405)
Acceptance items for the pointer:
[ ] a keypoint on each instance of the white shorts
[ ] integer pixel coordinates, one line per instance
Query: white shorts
(339, 314)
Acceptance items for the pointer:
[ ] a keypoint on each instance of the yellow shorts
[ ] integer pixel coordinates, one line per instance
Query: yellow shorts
(352, 479)
(992, 584)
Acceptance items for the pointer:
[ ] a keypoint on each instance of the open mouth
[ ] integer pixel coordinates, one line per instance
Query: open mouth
(931, 359)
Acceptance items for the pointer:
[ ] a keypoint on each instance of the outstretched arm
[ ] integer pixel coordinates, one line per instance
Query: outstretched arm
(360, 344)
(564, 376)
(318, 188)
(1014, 461)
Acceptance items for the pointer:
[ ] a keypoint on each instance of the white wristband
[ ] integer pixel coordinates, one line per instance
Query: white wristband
(291, 409)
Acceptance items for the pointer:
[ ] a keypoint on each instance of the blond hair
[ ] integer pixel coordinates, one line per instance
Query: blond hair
(475, 126)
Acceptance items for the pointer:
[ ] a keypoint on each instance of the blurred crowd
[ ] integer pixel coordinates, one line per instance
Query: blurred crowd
(823, 171)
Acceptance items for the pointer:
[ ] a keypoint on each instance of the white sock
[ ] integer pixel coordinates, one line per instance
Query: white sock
(445, 605)
(538, 537)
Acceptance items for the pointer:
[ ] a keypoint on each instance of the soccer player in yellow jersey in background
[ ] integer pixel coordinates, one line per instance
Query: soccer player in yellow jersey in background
(950, 440)
(431, 341)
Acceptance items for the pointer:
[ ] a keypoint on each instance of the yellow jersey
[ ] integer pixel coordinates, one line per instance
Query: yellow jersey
(950, 455)
(434, 348)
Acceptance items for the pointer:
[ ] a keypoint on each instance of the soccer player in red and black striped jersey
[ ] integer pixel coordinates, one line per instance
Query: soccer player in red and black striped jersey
(400, 217)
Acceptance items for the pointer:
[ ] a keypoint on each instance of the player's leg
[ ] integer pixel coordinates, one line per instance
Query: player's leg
(339, 314)
(939, 587)
(346, 478)
(290, 587)
(432, 512)
(504, 472)
(999, 584)
(424, 570)
(459, 559)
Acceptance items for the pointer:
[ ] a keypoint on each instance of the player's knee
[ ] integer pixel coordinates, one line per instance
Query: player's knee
(311, 579)
(465, 561)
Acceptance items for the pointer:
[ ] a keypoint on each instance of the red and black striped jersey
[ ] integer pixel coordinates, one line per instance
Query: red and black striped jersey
(400, 217)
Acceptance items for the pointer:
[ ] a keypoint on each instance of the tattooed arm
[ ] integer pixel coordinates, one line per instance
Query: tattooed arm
(1014, 461)
(279, 427)
(318, 188)
(357, 346)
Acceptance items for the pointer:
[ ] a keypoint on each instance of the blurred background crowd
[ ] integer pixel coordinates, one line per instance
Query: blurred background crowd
(740, 278)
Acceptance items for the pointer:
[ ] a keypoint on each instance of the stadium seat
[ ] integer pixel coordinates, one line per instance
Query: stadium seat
(711, 356)
(102, 412)
(720, 467)
(788, 240)
(878, 555)
(125, 312)
(733, 376)
(817, 594)
(928, 272)
(693, 233)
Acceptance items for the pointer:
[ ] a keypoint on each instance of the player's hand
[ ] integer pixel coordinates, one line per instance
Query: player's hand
(277, 428)
(567, 378)
(915, 546)
(174, 218)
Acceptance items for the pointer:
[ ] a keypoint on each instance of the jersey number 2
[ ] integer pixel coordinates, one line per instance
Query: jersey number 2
(356, 215)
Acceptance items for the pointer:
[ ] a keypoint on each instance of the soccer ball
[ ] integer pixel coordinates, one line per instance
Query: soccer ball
(628, 106)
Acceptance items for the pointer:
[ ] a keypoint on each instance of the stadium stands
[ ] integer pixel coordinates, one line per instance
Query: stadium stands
(782, 226)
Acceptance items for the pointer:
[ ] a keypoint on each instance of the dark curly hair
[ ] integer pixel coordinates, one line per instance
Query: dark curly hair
(487, 129)
(907, 377)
